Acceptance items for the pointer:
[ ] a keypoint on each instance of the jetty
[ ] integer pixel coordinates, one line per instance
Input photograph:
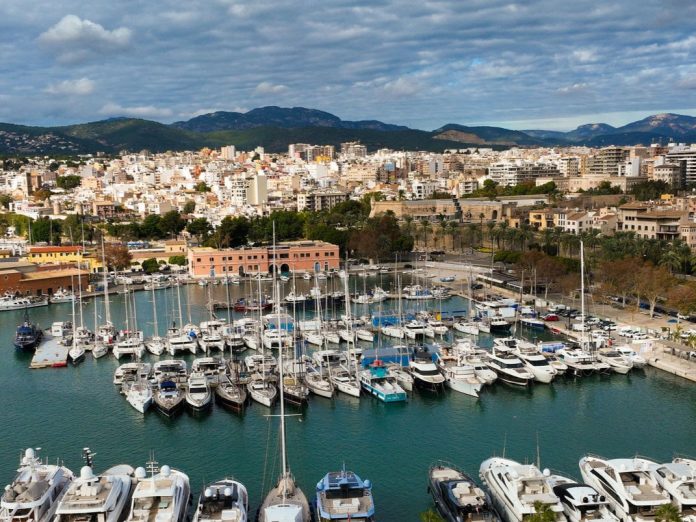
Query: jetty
(50, 354)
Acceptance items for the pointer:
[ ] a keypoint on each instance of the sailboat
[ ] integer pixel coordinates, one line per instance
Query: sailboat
(106, 333)
(342, 377)
(469, 327)
(177, 339)
(80, 336)
(156, 345)
(259, 387)
(286, 501)
(131, 342)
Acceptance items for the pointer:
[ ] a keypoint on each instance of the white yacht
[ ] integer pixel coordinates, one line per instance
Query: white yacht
(615, 360)
(363, 334)
(345, 381)
(475, 357)
(130, 345)
(156, 345)
(397, 332)
(515, 488)
(678, 479)
(317, 382)
(581, 503)
(226, 500)
(439, 328)
(212, 336)
(138, 394)
(424, 371)
(213, 368)
(466, 327)
(162, 497)
(274, 339)
(459, 376)
(265, 364)
(198, 394)
(171, 369)
(36, 491)
(418, 330)
(630, 354)
(179, 341)
(628, 484)
(534, 361)
(579, 361)
(508, 367)
(262, 391)
(326, 359)
(131, 371)
(401, 375)
(103, 498)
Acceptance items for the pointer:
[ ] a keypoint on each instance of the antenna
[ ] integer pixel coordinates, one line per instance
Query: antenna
(88, 456)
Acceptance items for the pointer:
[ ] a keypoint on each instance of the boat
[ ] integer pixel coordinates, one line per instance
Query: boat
(418, 330)
(402, 376)
(102, 497)
(628, 484)
(678, 479)
(579, 362)
(156, 345)
(343, 495)
(424, 371)
(170, 369)
(417, 293)
(516, 489)
(581, 503)
(130, 345)
(10, 302)
(168, 397)
(365, 335)
(211, 335)
(262, 391)
(376, 381)
(447, 279)
(508, 367)
(345, 381)
(295, 391)
(77, 352)
(226, 500)
(62, 296)
(496, 325)
(457, 497)
(317, 383)
(231, 394)
(532, 358)
(213, 368)
(615, 360)
(198, 393)
(28, 335)
(631, 356)
(162, 497)
(459, 376)
(36, 490)
(138, 394)
(466, 327)
(130, 372)
(397, 332)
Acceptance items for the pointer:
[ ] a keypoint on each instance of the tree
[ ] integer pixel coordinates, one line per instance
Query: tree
(150, 266)
(199, 228)
(652, 189)
(5, 200)
(667, 513)
(653, 283)
(189, 207)
(542, 513)
(117, 256)
(151, 227)
(177, 260)
(68, 182)
(171, 223)
(74, 226)
(619, 277)
(683, 298)
(430, 516)
(232, 232)
(45, 230)
(201, 186)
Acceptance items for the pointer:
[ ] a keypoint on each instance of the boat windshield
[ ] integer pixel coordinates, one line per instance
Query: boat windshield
(538, 362)
(427, 372)
(513, 364)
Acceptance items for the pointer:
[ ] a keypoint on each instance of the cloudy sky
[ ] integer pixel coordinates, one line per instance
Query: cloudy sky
(533, 64)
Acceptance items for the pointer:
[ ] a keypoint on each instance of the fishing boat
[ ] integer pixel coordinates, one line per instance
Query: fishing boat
(225, 500)
(35, 491)
(457, 497)
(343, 495)
(28, 335)
(162, 497)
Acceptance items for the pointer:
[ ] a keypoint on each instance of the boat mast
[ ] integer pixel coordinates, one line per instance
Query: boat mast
(582, 292)
(154, 310)
(178, 298)
(276, 291)
(107, 310)
(349, 319)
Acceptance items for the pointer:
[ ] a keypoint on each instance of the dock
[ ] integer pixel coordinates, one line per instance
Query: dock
(50, 354)
(673, 358)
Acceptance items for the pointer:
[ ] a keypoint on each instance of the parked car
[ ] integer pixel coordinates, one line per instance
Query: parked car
(550, 317)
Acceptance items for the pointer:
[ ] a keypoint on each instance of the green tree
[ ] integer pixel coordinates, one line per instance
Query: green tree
(177, 260)
(542, 513)
(68, 182)
(151, 227)
(5, 200)
(667, 513)
(430, 516)
(150, 266)
(171, 223)
(201, 186)
(200, 228)
(45, 230)
(189, 207)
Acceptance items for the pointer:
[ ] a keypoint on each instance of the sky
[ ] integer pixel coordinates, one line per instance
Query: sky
(549, 64)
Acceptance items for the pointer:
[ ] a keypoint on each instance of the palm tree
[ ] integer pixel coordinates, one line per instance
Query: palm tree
(542, 513)
(672, 260)
(547, 238)
(503, 227)
(442, 230)
(489, 227)
(667, 513)
(425, 228)
(455, 232)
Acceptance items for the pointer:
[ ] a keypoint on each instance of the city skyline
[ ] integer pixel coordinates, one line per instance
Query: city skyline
(540, 65)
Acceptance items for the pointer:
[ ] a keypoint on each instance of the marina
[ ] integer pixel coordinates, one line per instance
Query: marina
(451, 425)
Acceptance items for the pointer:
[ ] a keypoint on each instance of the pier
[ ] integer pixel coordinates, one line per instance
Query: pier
(50, 354)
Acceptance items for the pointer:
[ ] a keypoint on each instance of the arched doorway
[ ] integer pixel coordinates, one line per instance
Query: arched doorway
(271, 269)
(241, 271)
(494, 215)
(317, 266)
(284, 268)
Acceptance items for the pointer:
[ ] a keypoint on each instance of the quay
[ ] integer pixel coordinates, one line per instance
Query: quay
(50, 354)
(673, 358)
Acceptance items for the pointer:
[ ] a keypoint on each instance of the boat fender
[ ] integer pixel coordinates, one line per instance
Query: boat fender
(602, 498)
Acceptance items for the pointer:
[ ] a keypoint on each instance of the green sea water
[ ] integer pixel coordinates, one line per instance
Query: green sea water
(63, 410)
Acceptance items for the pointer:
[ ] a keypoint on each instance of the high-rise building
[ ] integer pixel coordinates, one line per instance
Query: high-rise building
(685, 157)
(228, 153)
(353, 149)
(606, 161)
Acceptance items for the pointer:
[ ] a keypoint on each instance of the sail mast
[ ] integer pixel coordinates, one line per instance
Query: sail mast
(276, 291)
(582, 292)
(105, 270)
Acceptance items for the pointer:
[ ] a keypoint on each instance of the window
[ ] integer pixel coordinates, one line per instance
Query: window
(241, 257)
(198, 260)
(211, 259)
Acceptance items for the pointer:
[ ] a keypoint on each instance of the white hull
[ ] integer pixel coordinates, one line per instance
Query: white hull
(393, 331)
(464, 387)
(365, 335)
(466, 328)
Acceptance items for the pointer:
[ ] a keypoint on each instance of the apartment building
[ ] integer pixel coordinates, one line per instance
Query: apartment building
(650, 223)
(317, 200)
(509, 173)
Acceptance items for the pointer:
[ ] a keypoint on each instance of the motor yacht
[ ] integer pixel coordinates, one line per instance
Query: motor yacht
(170, 369)
(397, 332)
(162, 497)
(628, 484)
(466, 327)
(130, 372)
(508, 367)
(326, 359)
(198, 393)
(615, 360)
(459, 376)
(343, 495)
(226, 500)
(534, 361)
(630, 354)
(213, 368)
(168, 397)
(28, 335)
(678, 479)
(36, 490)
(424, 371)
(457, 497)
(516, 488)
(579, 362)
(103, 497)
(418, 330)
(377, 381)
(581, 503)
(258, 363)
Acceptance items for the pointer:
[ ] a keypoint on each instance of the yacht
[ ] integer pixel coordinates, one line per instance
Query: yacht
(138, 394)
(496, 325)
(162, 497)
(579, 362)
(418, 330)
(628, 484)
(77, 352)
(326, 359)
(156, 345)
(198, 394)
(211, 336)
(403, 377)
(394, 331)
(424, 371)
(475, 357)
(466, 327)
(36, 491)
(363, 334)
(62, 296)
(679, 480)
(615, 360)
(262, 391)
(295, 391)
(457, 497)
(516, 488)
(179, 341)
(534, 361)
(131, 345)
(508, 367)
(581, 503)
(459, 376)
(170, 369)
(260, 363)
(28, 335)
(342, 495)
(168, 397)
(212, 367)
(231, 395)
(10, 302)
(102, 498)
(130, 372)
(438, 327)
(376, 381)
(226, 500)
(274, 339)
(629, 354)
(345, 381)
(317, 383)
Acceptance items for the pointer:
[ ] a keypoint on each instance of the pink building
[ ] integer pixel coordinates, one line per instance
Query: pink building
(300, 256)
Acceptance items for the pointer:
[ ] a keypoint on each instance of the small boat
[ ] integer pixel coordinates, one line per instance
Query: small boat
(447, 279)
(397, 332)
(162, 497)
(466, 327)
(629, 354)
(225, 500)
(28, 335)
(130, 372)
(678, 479)
(10, 302)
(62, 296)
(581, 503)
(231, 395)
(376, 381)
(459, 376)
(343, 495)
(168, 397)
(364, 335)
(613, 358)
(457, 497)
(35, 491)
(295, 391)
(402, 376)
(345, 382)
(317, 383)
(262, 391)
(100, 349)
(198, 394)
(138, 394)
(76, 354)
(424, 371)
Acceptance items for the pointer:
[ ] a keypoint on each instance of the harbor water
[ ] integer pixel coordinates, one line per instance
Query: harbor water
(63, 410)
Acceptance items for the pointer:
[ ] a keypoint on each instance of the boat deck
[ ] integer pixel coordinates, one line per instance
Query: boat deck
(50, 354)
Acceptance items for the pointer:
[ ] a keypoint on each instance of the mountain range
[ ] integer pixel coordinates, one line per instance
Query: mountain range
(275, 128)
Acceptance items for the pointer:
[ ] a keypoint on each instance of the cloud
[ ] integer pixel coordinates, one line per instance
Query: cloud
(80, 87)
(573, 89)
(144, 111)
(269, 88)
(74, 39)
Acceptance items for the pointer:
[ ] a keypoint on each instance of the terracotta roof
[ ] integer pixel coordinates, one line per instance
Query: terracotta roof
(50, 274)
(54, 249)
